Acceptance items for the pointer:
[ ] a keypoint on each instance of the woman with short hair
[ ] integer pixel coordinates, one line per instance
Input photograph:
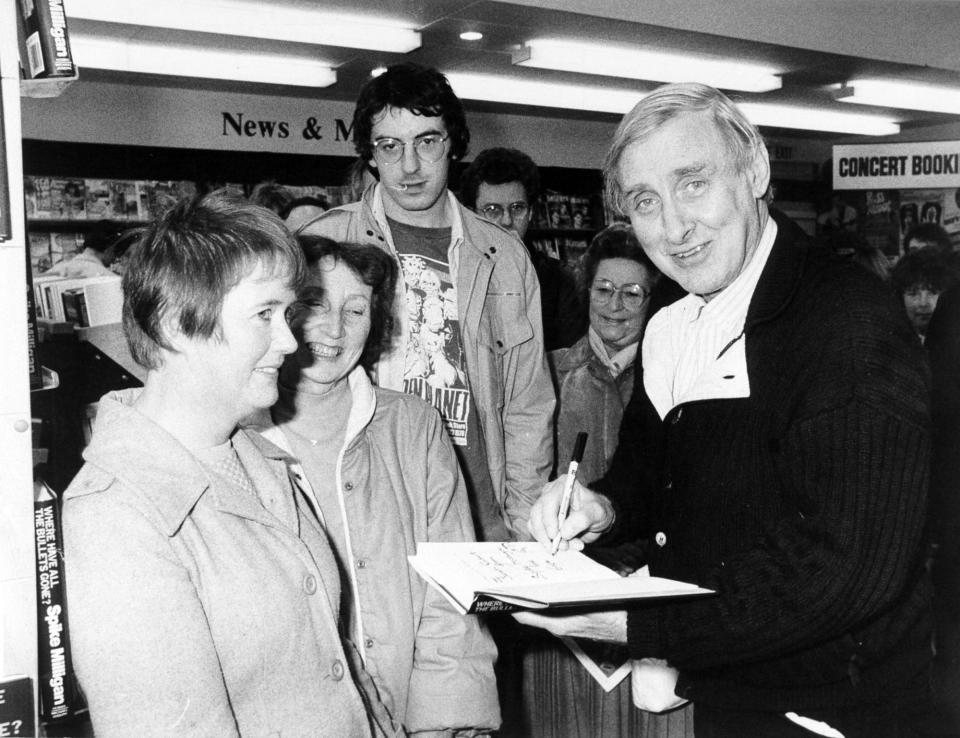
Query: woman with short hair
(203, 592)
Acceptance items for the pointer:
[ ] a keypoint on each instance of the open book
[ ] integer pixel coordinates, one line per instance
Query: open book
(500, 577)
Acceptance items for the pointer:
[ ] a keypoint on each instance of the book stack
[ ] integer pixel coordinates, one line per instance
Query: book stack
(87, 301)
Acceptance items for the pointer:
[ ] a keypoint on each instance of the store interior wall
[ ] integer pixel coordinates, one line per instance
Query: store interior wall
(922, 32)
(110, 113)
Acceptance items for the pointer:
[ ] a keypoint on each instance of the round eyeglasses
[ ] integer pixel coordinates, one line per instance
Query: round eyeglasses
(495, 211)
(633, 295)
(429, 147)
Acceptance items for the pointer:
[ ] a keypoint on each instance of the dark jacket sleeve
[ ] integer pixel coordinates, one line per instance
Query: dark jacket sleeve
(831, 574)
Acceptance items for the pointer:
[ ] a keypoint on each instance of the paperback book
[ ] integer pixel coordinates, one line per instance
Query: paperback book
(502, 577)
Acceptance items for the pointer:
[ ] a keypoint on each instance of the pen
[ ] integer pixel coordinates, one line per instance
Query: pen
(575, 459)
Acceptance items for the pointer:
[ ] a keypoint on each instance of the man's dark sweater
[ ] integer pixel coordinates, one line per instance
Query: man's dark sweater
(803, 505)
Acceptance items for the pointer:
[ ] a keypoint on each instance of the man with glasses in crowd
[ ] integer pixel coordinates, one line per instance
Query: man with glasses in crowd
(502, 185)
(470, 337)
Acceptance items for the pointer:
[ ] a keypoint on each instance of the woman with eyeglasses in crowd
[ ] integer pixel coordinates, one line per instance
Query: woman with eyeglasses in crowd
(594, 379)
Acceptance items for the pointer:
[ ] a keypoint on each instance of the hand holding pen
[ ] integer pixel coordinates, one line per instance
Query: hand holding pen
(575, 459)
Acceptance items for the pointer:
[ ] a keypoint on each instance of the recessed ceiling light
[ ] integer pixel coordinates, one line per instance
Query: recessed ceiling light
(471, 35)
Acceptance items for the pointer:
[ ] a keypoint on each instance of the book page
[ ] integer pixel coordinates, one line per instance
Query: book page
(463, 569)
(527, 575)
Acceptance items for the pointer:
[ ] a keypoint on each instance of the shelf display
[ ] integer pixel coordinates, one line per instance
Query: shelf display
(77, 199)
(560, 211)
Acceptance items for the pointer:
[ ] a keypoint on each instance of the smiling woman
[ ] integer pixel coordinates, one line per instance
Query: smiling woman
(189, 552)
(380, 469)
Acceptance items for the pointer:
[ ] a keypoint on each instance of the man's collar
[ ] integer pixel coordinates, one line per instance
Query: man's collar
(374, 197)
(730, 304)
(781, 275)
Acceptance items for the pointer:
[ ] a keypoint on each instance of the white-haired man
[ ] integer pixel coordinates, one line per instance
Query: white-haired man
(776, 450)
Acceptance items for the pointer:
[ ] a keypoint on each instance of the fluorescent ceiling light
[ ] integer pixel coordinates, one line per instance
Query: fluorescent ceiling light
(546, 94)
(518, 91)
(102, 52)
(252, 19)
(900, 94)
(817, 119)
(636, 63)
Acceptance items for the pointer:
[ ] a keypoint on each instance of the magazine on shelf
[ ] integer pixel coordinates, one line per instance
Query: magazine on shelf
(501, 577)
(558, 210)
(580, 212)
(64, 246)
(156, 197)
(573, 251)
(107, 199)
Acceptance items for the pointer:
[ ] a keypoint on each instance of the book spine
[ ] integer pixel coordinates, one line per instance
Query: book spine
(84, 312)
(33, 335)
(74, 306)
(51, 300)
(59, 695)
(47, 39)
(484, 604)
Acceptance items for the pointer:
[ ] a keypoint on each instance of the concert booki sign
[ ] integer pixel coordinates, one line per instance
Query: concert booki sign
(921, 164)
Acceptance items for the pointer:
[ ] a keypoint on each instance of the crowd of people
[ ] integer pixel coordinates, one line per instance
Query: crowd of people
(327, 388)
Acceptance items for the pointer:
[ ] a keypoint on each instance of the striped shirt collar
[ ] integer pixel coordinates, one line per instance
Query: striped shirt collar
(729, 307)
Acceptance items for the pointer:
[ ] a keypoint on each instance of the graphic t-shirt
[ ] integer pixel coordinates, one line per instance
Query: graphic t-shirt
(435, 364)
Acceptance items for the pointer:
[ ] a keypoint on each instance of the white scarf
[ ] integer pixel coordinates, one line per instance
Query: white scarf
(617, 363)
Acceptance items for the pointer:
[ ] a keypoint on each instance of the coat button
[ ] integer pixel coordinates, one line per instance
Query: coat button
(661, 538)
(361, 563)
(310, 584)
(336, 671)
(368, 643)
(348, 486)
(369, 233)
